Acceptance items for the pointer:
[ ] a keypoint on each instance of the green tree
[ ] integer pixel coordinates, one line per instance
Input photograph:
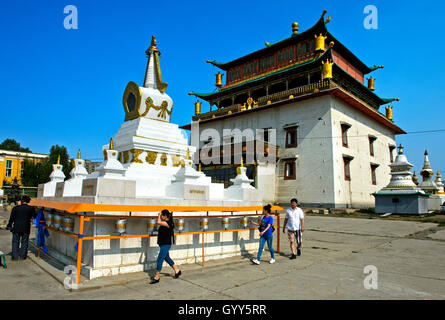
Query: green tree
(12, 145)
(39, 172)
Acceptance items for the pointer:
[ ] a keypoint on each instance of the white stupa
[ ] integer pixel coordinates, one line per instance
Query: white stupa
(401, 195)
(427, 173)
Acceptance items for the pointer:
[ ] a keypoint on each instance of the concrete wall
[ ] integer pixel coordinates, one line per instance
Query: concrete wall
(357, 192)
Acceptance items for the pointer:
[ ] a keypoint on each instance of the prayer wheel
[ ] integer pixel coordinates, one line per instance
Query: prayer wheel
(244, 222)
(49, 219)
(204, 223)
(225, 223)
(121, 226)
(180, 225)
(68, 224)
(152, 224)
(56, 221)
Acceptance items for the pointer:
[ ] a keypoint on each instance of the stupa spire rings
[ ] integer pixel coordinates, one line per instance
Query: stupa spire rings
(153, 77)
(78, 154)
(58, 159)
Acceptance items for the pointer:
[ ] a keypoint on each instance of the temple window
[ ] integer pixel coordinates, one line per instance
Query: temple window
(289, 170)
(347, 167)
(371, 145)
(291, 137)
(344, 134)
(22, 167)
(391, 157)
(373, 175)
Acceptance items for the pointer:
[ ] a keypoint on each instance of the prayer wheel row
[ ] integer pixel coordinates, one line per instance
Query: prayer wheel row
(59, 222)
(121, 224)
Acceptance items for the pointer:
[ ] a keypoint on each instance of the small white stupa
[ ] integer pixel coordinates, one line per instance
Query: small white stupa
(427, 173)
(401, 195)
(49, 189)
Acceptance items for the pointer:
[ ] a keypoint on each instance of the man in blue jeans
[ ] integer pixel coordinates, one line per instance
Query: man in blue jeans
(265, 234)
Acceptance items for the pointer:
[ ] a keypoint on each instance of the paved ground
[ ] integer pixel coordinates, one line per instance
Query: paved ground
(409, 257)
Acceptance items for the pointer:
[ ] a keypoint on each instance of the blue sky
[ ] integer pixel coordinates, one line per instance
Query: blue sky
(65, 87)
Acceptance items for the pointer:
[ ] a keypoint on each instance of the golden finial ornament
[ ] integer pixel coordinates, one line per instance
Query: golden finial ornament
(219, 76)
(266, 43)
(295, 28)
(78, 154)
(319, 42)
(328, 19)
(111, 146)
(199, 167)
(371, 83)
(197, 107)
(415, 178)
(389, 112)
(58, 159)
(327, 69)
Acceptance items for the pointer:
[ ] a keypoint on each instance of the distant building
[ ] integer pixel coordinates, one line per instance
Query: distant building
(12, 162)
(334, 145)
(91, 165)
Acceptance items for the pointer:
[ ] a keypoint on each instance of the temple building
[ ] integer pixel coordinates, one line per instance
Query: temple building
(334, 142)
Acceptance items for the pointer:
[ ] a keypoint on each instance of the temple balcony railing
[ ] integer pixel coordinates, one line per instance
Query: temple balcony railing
(268, 99)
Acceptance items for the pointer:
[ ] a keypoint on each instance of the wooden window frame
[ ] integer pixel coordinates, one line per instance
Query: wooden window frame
(373, 174)
(344, 134)
(371, 139)
(291, 131)
(293, 165)
(347, 167)
(391, 155)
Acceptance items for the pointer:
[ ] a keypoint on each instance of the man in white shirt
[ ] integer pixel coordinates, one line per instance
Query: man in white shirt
(294, 221)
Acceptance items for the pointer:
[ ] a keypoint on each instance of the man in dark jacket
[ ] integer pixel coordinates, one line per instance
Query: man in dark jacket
(20, 226)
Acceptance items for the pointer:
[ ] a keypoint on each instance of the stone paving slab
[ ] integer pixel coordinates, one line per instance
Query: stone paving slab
(439, 235)
(335, 251)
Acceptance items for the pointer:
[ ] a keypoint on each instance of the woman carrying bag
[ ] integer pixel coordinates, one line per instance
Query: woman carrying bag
(266, 229)
(165, 235)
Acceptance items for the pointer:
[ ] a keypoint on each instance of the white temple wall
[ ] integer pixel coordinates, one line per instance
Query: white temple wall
(357, 192)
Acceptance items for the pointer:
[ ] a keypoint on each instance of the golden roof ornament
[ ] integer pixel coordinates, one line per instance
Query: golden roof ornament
(389, 112)
(197, 107)
(78, 154)
(328, 19)
(295, 28)
(371, 83)
(266, 43)
(219, 76)
(111, 146)
(327, 69)
(58, 159)
(319, 42)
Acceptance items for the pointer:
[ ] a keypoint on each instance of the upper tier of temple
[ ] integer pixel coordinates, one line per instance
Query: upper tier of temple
(305, 63)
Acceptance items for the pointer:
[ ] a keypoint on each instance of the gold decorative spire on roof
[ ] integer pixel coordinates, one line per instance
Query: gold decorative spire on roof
(111, 146)
(58, 159)
(78, 154)
(295, 28)
(153, 77)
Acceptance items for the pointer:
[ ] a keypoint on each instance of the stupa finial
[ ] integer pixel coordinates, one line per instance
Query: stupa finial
(58, 159)
(400, 149)
(153, 77)
(111, 146)
(78, 154)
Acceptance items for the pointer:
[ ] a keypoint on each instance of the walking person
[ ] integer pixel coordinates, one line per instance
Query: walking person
(294, 221)
(20, 226)
(266, 235)
(165, 236)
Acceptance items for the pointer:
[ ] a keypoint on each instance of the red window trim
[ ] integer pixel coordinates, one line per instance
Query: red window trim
(290, 131)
